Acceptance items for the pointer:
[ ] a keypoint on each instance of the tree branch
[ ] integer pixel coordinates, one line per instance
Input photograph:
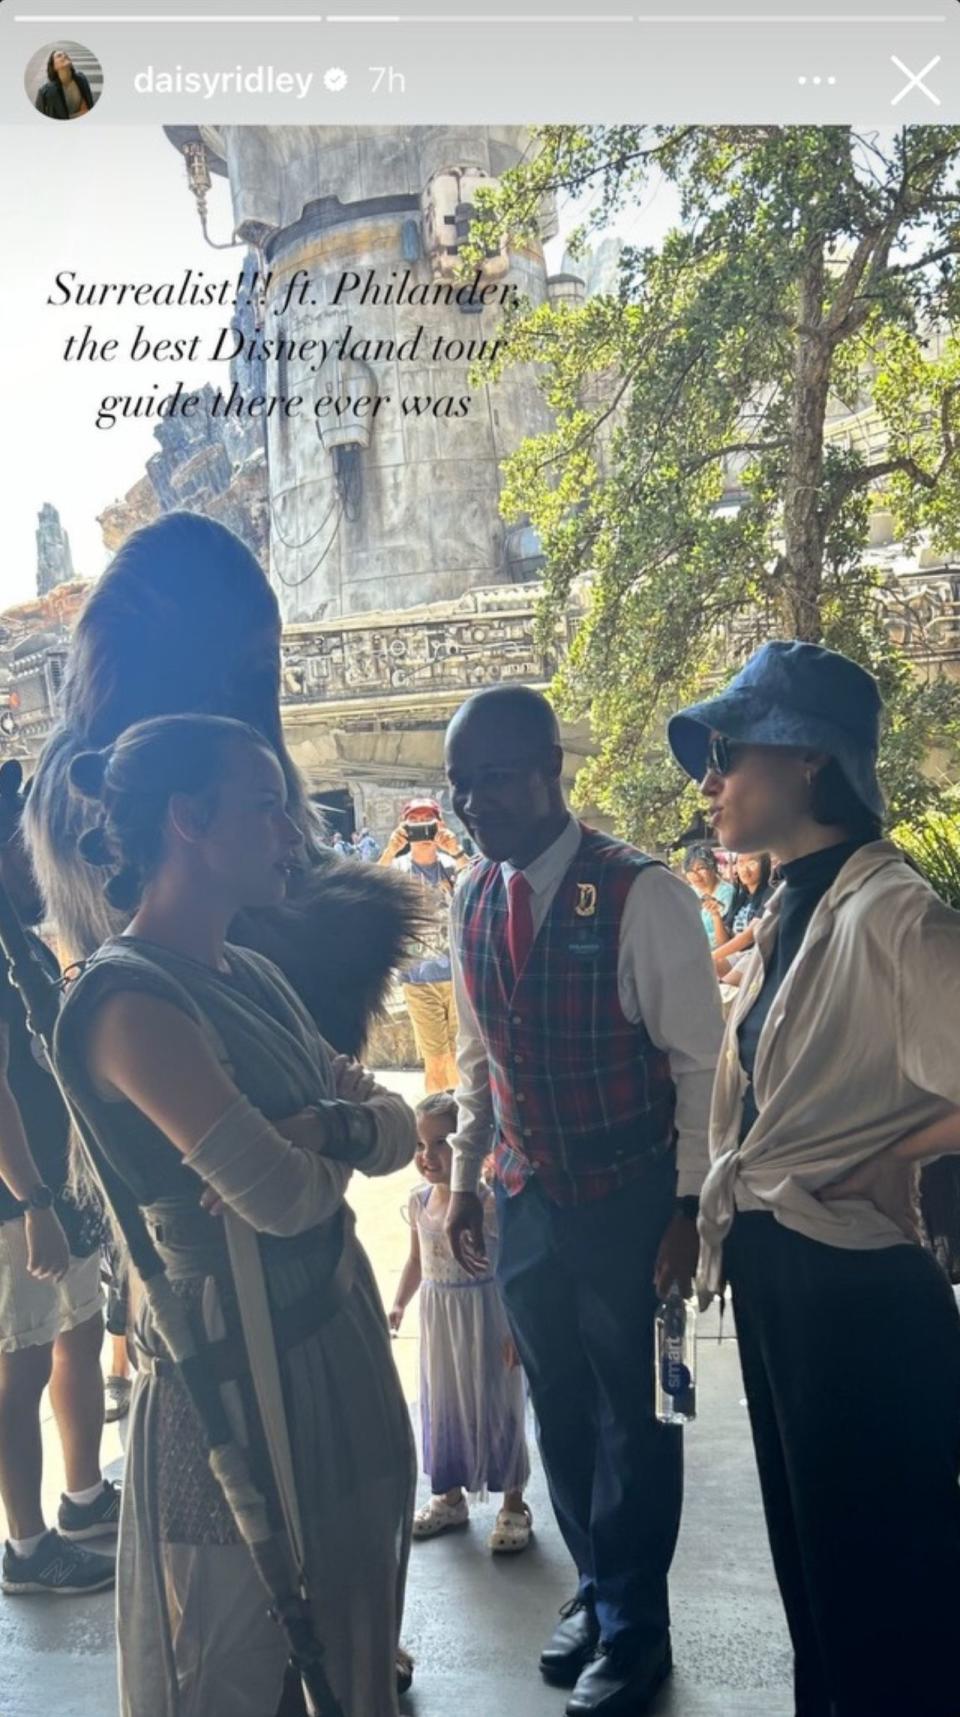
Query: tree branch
(904, 462)
(928, 261)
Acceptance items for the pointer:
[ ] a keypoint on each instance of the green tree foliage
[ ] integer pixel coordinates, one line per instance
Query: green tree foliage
(811, 267)
(934, 841)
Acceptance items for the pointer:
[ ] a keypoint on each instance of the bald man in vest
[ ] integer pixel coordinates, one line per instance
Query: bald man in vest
(589, 1032)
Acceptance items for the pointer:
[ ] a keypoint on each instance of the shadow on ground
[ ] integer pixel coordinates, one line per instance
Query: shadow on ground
(474, 1622)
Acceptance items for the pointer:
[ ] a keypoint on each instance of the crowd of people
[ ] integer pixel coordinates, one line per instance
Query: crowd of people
(734, 890)
(610, 1138)
(362, 844)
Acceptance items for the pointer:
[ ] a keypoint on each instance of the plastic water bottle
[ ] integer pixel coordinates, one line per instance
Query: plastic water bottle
(675, 1360)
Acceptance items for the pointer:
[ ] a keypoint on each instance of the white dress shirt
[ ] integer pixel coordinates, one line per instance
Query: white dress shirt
(665, 979)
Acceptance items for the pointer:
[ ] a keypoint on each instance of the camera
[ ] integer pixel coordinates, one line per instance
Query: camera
(420, 831)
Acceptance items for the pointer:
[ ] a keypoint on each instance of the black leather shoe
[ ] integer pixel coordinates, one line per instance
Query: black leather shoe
(615, 1686)
(571, 1645)
(404, 1672)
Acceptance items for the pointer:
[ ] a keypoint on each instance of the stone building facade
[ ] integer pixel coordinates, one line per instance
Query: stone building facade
(353, 227)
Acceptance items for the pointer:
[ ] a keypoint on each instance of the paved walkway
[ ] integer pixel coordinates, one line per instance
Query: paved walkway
(474, 1622)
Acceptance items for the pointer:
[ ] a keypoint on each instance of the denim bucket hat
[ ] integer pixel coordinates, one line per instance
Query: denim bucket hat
(792, 694)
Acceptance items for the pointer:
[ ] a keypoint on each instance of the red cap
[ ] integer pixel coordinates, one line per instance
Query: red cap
(421, 811)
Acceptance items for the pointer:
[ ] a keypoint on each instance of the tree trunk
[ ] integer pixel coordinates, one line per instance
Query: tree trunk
(802, 564)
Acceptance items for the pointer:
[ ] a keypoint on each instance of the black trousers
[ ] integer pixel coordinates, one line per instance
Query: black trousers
(851, 1362)
(578, 1287)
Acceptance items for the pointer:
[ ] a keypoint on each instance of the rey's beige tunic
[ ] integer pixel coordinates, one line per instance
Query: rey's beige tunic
(194, 1636)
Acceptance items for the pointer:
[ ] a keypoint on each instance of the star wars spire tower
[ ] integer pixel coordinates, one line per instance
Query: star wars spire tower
(377, 505)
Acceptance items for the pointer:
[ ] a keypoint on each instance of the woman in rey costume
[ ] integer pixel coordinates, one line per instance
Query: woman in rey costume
(204, 1084)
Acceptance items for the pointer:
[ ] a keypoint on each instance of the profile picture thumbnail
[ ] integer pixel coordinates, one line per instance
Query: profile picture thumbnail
(64, 80)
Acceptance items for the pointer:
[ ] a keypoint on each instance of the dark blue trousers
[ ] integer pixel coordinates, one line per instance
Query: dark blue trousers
(577, 1283)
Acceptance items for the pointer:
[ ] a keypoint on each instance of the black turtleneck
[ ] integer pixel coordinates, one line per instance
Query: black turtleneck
(807, 880)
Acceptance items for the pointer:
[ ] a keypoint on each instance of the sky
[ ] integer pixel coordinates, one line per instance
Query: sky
(117, 209)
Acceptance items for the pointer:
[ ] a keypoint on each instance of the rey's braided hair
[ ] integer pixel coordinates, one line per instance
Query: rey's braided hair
(134, 779)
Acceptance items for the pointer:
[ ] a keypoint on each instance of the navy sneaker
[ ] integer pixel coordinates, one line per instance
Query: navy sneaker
(77, 1521)
(57, 1567)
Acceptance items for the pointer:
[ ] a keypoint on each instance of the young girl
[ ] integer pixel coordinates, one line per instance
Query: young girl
(471, 1388)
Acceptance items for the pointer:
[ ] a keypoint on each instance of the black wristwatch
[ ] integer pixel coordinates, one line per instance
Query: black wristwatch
(39, 1198)
(689, 1206)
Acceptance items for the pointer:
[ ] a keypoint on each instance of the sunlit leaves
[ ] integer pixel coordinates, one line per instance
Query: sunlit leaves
(670, 476)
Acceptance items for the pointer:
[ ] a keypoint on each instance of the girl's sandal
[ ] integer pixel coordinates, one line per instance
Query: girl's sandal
(512, 1532)
(438, 1516)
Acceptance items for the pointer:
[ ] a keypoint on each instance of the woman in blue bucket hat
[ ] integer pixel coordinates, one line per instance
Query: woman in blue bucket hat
(840, 1072)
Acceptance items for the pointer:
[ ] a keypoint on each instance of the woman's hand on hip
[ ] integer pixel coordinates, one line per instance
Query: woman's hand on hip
(890, 1184)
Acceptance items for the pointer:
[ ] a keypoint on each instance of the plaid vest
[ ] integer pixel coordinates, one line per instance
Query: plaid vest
(582, 1097)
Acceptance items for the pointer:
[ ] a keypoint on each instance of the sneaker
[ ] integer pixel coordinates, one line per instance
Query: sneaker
(116, 1392)
(94, 1519)
(440, 1516)
(57, 1567)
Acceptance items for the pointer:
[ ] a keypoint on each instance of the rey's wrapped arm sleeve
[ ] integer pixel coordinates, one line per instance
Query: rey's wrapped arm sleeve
(278, 1187)
(395, 1133)
(283, 1188)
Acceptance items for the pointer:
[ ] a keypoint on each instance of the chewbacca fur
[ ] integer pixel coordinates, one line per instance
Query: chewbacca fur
(173, 627)
(346, 926)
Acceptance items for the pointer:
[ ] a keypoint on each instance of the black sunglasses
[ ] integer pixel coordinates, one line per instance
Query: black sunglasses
(723, 755)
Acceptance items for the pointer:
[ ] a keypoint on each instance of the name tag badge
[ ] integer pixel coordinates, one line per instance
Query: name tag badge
(585, 945)
(584, 950)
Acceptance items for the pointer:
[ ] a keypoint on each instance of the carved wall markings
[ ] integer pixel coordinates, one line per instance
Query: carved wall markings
(386, 670)
(325, 663)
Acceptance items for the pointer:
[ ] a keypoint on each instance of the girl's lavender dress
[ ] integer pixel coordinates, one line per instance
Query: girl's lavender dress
(472, 1406)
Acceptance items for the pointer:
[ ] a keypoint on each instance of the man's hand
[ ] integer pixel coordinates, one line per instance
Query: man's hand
(396, 843)
(464, 1230)
(48, 1254)
(511, 1355)
(447, 841)
(888, 1182)
(677, 1257)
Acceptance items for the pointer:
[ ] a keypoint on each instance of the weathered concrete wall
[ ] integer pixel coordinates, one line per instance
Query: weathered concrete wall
(414, 515)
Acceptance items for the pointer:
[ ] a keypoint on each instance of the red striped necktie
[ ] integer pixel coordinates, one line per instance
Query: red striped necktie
(519, 921)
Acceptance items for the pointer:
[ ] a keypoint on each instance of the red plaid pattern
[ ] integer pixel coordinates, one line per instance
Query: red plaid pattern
(582, 1097)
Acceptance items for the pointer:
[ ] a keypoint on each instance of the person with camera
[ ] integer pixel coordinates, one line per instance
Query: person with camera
(423, 848)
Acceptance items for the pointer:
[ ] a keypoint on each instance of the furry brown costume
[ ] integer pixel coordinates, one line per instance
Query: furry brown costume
(184, 620)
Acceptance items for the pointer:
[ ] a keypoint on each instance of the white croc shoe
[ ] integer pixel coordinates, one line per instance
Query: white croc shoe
(440, 1516)
(512, 1532)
